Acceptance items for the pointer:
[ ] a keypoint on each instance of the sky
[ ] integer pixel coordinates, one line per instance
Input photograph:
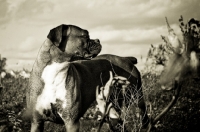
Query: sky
(124, 27)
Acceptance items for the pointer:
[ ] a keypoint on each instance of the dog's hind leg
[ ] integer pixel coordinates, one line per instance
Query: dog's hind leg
(71, 124)
(70, 119)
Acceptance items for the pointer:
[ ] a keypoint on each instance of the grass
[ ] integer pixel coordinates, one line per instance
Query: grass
(184, 116)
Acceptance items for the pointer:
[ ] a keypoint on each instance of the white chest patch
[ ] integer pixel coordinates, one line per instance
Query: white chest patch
(54, 77)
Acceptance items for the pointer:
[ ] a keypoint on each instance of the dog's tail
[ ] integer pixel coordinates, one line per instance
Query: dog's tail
(132, 59)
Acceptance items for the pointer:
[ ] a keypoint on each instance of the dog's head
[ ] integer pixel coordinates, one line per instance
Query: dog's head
(74, 41)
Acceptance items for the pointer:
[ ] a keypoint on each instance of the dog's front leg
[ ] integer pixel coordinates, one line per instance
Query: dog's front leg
(72, 126)
(37, 125)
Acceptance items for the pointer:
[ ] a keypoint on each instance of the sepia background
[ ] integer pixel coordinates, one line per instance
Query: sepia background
(125, 28)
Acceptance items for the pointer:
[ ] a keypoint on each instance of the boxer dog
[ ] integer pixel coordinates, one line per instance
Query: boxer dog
(65, 43)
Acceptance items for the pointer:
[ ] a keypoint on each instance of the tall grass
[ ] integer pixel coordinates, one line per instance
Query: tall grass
(184, 116)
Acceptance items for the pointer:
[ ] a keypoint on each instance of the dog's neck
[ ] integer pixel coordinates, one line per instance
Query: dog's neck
(59, 56)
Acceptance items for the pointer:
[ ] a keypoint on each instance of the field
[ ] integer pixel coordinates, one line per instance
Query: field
(183, 117)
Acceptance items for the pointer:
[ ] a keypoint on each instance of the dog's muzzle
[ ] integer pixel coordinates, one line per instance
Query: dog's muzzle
(94, 48)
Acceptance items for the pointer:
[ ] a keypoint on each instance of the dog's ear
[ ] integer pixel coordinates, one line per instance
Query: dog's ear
(59, 34)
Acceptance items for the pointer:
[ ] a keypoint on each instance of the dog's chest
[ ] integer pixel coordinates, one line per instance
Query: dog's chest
(54, 77)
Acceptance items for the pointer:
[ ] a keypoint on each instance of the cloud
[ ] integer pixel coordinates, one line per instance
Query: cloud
(24, 10)
(123, 27)
(17, 64)
(21, 55)
(30, 44)
(125, 50)
(13, 6)
(131, 36)
(25, 52)
(90, 14)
